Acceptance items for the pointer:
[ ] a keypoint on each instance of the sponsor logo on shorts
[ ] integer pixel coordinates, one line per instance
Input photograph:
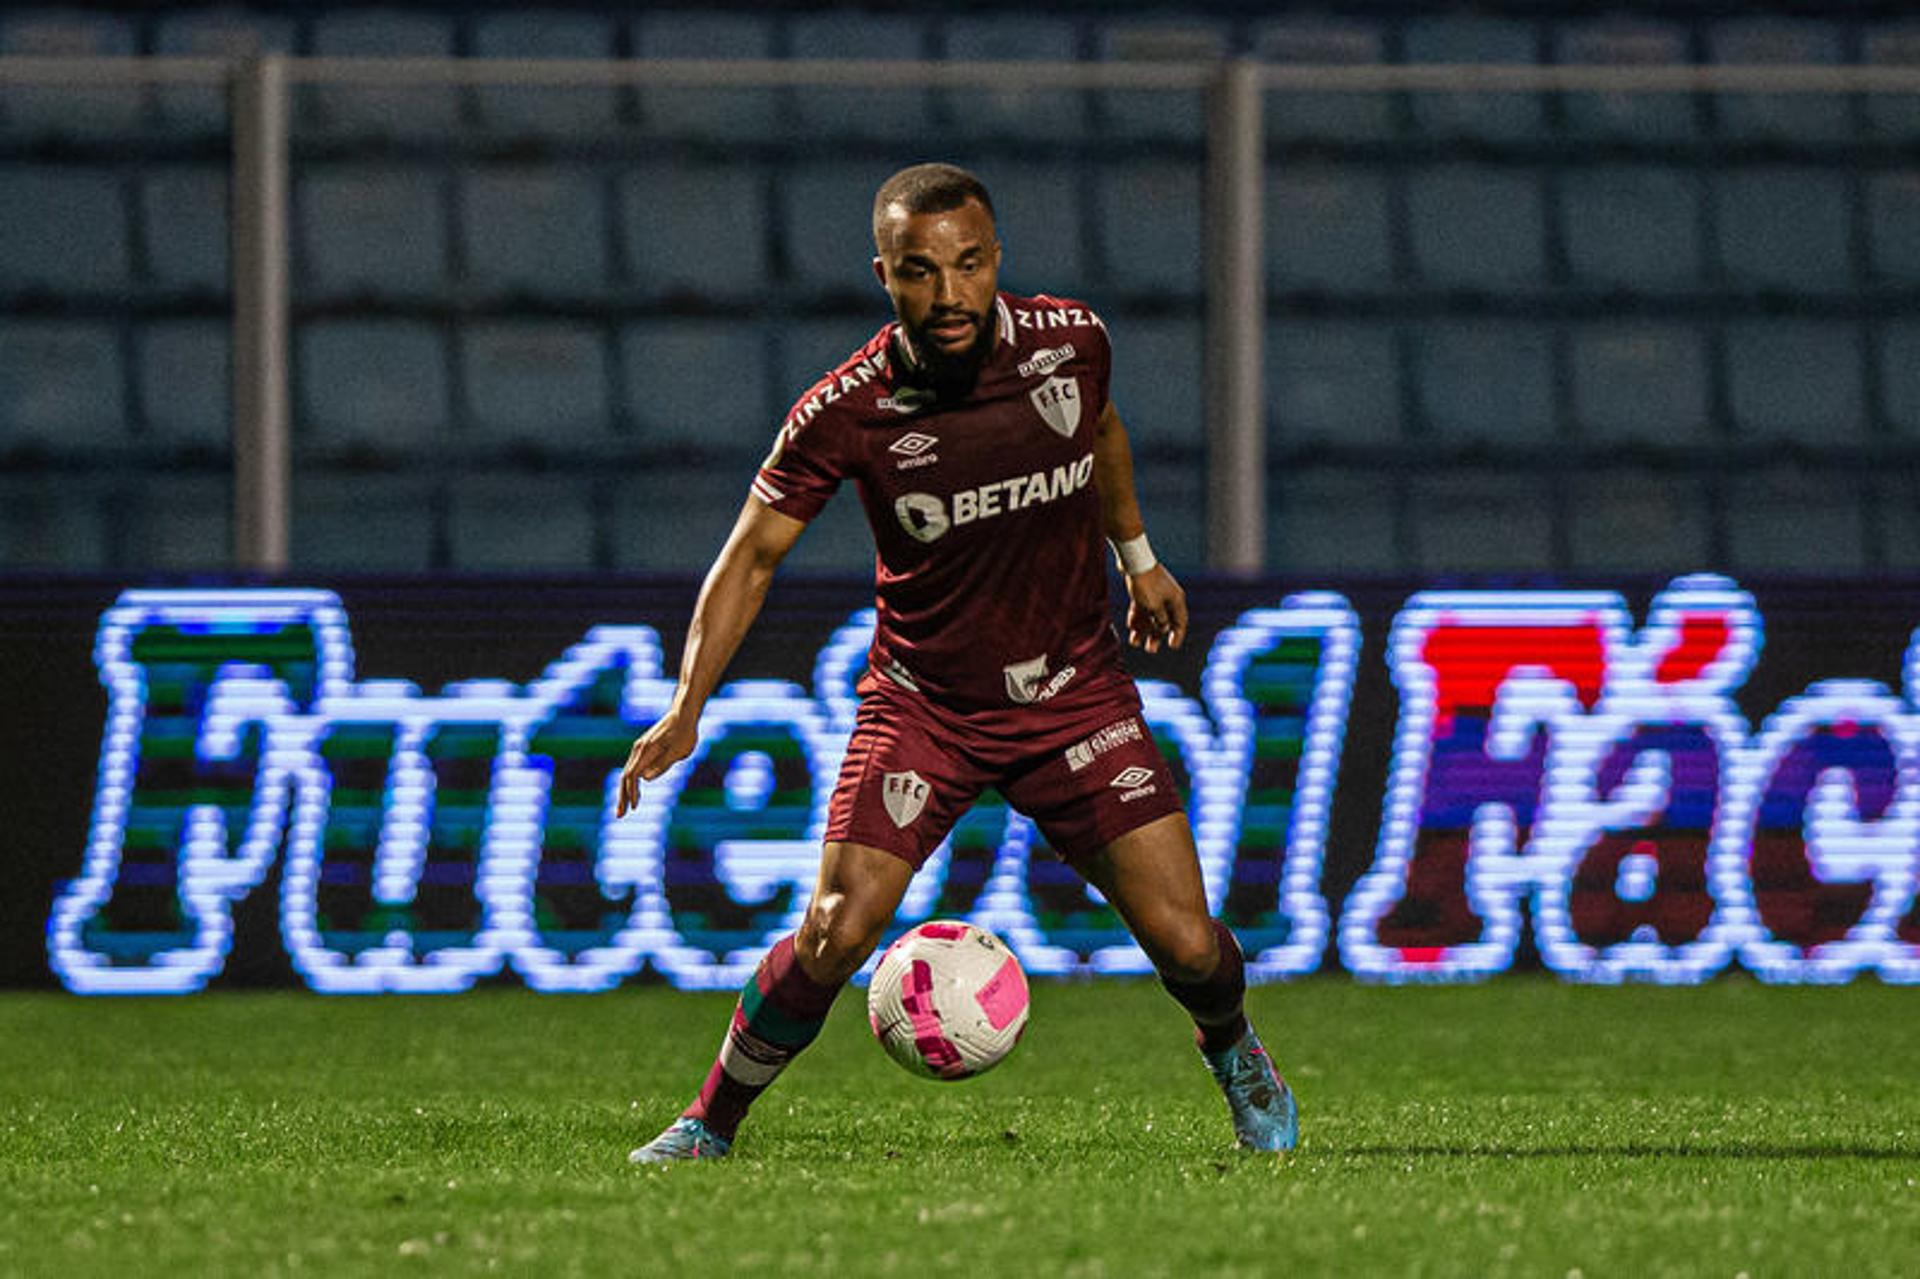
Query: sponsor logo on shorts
(905, 794)
(1085, 751)
(1045, 360)
(1023, 680)
(1133, 783)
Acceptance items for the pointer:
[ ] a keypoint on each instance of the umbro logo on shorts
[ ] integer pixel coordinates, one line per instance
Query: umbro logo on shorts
(1133, 783)
(905, 794)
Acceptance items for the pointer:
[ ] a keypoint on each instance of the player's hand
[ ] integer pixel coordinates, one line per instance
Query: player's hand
(670, 740)
(1156, 610)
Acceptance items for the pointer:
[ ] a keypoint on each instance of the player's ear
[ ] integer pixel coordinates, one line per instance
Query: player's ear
(880, 270)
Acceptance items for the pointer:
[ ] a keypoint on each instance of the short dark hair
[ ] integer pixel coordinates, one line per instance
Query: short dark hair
(928, 188)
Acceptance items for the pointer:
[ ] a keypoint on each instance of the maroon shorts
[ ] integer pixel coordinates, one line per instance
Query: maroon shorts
(1086, 773)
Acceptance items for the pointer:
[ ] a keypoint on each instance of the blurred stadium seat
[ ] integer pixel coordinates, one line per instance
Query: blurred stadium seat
(1041, 222)
(520, 522)
(1344, 117)
(1505, 117)
(364, 231)
(1788, 521)
(675, 519)
(1150, 226)
(1896, 44)
(211, 33)
(1893, 222)
(184, 221)
(1029, 114)
(833, 115)
(546, 112)
(62, 386)
(413, 114)
(1478, 229)
(700, 384)
(1900, 375)
(536, 231)
(1784, 230)
(373, 385)
(183, 524)
(1333, 522)
(537, 384)
(1781, 118)
(366, 523)
(60, 111)
(1480, 522)
(52, 527)
(1796, 380)
(1163, 114)
(697, 232)
(1157, 366)
(826, 225)
(810, 348)
(1333, 382)
(746, 115)
(1486, 381)
(1641, 381)
(65, 230)
(1626, 117)
(186, 380)
(1633, 228)
(1329, 228)
(1627, 521)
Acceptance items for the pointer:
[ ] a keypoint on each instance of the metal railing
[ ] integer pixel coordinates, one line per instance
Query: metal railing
(1235, 159)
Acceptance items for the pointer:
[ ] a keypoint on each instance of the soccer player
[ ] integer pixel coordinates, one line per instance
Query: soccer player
(978, 431)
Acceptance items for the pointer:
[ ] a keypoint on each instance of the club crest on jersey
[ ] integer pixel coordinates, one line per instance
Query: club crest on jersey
(1057, 400)
(905, 794)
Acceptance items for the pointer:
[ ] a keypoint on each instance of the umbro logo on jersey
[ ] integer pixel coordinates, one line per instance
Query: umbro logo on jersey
(1133, 783)
(905, 794)
(913, 448)
(1044, 361)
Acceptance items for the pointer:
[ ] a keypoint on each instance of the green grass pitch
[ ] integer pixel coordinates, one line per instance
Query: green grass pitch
(1520, 1127)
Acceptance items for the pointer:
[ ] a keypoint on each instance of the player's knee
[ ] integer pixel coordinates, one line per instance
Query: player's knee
(836, 937)
(1187, 951)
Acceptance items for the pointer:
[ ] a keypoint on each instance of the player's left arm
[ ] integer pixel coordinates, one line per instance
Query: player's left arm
(1156, 606)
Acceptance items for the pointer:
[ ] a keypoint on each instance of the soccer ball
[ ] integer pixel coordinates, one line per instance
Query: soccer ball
(948, 1000)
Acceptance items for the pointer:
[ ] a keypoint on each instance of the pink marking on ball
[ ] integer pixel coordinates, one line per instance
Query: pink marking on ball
(1004, 997)
(943, 932)
(916, 996)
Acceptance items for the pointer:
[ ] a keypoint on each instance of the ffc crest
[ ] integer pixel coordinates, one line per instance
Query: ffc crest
(905, 795)
(1057, 400)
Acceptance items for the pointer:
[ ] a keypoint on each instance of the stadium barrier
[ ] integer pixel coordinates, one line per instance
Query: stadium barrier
(1545, 777)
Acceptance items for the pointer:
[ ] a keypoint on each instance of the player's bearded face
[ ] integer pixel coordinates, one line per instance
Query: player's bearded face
(942, 270)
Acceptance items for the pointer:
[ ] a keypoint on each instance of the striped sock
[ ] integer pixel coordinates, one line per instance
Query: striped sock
(780, 1011)
(1217, 1002)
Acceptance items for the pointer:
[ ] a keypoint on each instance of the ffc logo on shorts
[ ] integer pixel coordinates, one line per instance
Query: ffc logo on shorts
(905, 795)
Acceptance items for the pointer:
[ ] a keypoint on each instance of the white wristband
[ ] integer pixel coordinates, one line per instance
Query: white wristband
(1134, 555)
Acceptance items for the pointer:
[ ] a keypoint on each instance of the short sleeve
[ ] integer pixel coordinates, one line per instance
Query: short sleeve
(801, 472)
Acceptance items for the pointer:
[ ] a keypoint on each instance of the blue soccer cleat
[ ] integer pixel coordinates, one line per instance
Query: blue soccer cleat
(1265, 1116)
(684, 1138)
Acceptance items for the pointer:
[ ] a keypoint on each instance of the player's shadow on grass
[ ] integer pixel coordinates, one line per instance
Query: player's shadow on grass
(1638, 1150)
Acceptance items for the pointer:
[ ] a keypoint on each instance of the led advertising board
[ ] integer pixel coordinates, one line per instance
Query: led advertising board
(1428, 784)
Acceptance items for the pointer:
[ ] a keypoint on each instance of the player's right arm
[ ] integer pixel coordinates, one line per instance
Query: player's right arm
(730, 599)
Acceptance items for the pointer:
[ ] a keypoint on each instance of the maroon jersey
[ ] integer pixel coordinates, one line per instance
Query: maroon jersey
(991, 575)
